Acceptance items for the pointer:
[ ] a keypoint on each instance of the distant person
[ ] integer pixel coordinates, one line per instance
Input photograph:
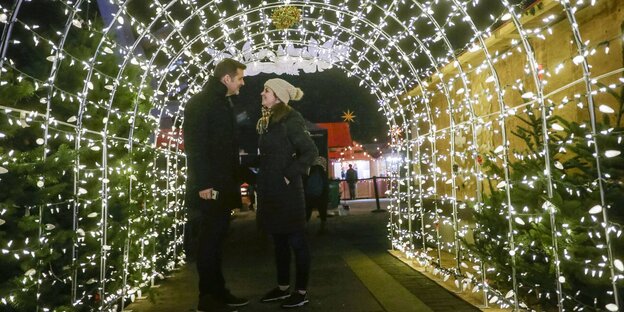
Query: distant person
(352, 178)
(286, 153)
(317, 191)
(212, 186)
(249, 177)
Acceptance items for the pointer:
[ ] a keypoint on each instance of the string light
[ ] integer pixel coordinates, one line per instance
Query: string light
(452, 109)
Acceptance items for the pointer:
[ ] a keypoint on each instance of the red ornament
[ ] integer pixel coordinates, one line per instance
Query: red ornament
(97, 297)
(479, 159)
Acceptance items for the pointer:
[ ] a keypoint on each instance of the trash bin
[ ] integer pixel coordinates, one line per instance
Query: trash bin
(334, 194)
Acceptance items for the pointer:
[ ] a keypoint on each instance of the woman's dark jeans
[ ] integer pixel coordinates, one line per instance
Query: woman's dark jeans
(299, 244)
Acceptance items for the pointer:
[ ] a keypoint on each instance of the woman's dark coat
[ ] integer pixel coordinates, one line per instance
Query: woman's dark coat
(211, 148)
(286, 150)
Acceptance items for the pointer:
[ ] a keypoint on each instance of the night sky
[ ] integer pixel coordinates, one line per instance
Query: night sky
(327, 95)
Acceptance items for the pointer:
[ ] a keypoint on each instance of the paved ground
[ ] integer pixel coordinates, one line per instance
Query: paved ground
(351, 271)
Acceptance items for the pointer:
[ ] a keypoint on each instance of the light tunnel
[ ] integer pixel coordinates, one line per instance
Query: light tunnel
(505, 124)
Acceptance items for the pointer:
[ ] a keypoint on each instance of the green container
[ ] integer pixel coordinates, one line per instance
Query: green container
(334, 194)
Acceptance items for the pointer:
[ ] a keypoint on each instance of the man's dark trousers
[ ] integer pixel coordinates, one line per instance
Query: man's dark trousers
(214, 225)
(351, 190)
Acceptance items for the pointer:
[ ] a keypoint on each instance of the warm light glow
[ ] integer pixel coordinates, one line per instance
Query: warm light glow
(82, 102)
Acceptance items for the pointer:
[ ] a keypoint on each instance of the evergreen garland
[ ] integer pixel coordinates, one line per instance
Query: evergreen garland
(31, 184)
(575, 192)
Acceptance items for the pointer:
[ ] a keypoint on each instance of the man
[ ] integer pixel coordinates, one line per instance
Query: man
(212, 188)
(352, 179)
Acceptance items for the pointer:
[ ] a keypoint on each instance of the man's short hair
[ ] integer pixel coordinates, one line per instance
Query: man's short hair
(228, 67)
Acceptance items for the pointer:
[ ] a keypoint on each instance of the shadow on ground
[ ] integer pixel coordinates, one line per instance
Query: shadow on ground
(336, 283)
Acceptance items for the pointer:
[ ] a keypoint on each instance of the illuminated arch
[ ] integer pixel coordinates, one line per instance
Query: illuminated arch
(405, 93)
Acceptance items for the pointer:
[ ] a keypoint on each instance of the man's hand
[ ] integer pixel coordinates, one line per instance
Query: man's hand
(206, 194)
(286, 180)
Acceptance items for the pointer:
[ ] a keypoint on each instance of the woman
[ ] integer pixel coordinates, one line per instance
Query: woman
(287, 151)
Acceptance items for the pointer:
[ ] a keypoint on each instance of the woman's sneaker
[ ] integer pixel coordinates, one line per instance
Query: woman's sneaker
(275, 294)
(296, 299)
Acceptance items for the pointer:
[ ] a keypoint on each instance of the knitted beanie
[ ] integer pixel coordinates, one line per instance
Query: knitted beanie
(284, 90)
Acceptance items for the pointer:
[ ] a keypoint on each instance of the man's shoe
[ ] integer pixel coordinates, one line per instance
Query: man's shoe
(295, 300)
(233, 301)
(275, 294)
(209, 303)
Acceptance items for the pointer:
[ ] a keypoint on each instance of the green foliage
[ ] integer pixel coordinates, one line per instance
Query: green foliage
(42, 187)
(575, 191)
(22, 200)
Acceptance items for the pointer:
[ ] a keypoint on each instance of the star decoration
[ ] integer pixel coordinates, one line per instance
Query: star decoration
(396, 132)
(348, 116)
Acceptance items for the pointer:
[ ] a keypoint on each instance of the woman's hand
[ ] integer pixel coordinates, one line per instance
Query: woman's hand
(286, 180)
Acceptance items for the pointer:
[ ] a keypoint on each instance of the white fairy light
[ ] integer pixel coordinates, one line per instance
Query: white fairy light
(445, 115)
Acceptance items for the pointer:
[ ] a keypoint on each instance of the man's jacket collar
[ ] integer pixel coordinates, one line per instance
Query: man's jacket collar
(216, 88)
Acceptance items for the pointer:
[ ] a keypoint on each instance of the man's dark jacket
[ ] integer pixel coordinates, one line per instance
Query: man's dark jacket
(211, 147)
(352, 176)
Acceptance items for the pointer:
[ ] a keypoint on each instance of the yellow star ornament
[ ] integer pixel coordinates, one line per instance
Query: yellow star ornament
(348, 116)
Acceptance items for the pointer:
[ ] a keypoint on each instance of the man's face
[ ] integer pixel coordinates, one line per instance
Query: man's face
(234, 84)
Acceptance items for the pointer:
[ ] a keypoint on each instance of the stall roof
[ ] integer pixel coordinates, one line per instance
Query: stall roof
(338, 134)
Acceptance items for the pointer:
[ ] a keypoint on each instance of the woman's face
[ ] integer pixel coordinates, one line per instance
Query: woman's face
(268, 98)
